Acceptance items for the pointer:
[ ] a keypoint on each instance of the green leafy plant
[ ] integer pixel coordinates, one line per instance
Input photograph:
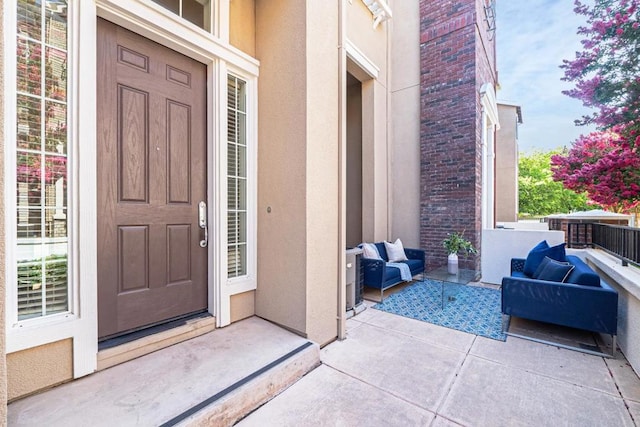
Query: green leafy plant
(539, 194)
(455, 242)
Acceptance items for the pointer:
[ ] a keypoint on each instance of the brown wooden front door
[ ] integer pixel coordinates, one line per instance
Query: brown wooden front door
(151, 177)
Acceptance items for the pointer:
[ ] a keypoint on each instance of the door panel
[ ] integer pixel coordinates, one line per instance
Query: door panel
(179, 152)
(151, 177)
(133, 138)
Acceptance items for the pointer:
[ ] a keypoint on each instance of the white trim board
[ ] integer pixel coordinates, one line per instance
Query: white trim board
(361, 60)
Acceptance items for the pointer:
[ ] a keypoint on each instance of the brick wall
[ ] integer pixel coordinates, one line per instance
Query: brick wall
(456, 57)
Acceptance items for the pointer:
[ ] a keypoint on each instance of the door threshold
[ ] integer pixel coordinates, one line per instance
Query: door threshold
(128, 347)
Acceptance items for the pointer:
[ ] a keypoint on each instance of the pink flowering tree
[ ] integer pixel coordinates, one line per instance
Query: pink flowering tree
(606, 73)
(605, 166)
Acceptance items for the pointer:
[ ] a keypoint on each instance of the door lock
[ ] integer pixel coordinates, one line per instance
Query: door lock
(202, 222)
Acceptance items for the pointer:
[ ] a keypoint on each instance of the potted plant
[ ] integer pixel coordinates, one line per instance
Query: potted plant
(455, 243)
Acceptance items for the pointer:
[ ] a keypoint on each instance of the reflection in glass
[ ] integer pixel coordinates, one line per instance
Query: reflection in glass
(55, 223)
(56, 74)
(29, 179)
(41, 168)
(28, 118)
(29, 289)
(56, 19)
(29, 66)
(29, 223)
(42, 279)
(30, 18)
(55, 127)
(56, 287)
(55, 181)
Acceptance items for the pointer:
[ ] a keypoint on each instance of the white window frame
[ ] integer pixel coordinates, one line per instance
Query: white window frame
(11, 181)
(247, 282)
(152, 21)
(75, 323)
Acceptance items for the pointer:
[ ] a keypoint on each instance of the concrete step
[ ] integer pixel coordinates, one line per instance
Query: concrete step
(213, 379)
(148, 344)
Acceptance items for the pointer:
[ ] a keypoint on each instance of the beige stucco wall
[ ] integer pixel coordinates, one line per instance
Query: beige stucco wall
(243, 305)
(322, 170)
(405, 122)
(282, 109)
(371, 42)
(242, 25)
(507, 165)
(3, 347)
(298, 166)
(39, 367)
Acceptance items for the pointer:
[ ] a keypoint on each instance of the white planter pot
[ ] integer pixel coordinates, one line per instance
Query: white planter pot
(452, 264)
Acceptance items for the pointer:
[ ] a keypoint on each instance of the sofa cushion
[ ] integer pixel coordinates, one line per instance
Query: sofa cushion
(537, 254)
(555, 271)
(582, 274)
(392, 275)
(543, 264)
(395, 251)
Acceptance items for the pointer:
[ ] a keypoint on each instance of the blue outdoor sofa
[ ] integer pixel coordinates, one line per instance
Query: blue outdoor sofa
(379, 276)
(582, 301)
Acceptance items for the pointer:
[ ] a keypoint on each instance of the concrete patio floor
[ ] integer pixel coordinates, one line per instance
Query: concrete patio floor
(390, 371)
(395, 371)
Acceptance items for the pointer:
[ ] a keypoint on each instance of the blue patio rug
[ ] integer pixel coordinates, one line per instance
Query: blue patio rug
(474, 310)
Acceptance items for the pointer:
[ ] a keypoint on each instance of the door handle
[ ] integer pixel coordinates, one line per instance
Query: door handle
(202, 222)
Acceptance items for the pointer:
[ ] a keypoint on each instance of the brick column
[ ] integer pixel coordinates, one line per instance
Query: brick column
(455, 62)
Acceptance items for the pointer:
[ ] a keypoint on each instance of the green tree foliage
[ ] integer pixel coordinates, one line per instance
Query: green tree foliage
(539, 194)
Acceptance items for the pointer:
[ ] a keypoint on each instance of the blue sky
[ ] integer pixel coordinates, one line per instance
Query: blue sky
(533, 38)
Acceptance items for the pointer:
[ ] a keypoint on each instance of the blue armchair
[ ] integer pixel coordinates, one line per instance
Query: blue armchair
(378, 275)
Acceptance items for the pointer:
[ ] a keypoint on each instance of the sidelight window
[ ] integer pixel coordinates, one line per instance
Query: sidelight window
(236, 177)
(42, 244)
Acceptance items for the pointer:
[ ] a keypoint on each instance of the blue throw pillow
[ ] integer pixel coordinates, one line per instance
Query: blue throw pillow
(555, 271)
(543, 264)
(530, 258)
(537, 254)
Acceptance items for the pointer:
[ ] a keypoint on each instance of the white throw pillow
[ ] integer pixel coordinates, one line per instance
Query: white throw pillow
(369, 250)
(395, 251)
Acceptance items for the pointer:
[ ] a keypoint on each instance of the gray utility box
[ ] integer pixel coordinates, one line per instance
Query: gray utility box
(355, 278)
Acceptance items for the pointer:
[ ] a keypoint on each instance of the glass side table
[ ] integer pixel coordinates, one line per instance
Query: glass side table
(451, 283)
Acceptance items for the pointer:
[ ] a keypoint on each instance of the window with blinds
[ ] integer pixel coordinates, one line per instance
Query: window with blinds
(236, 177)
(41, 158)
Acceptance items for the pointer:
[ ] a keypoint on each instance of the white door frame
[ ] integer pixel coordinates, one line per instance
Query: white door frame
(160, 25)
